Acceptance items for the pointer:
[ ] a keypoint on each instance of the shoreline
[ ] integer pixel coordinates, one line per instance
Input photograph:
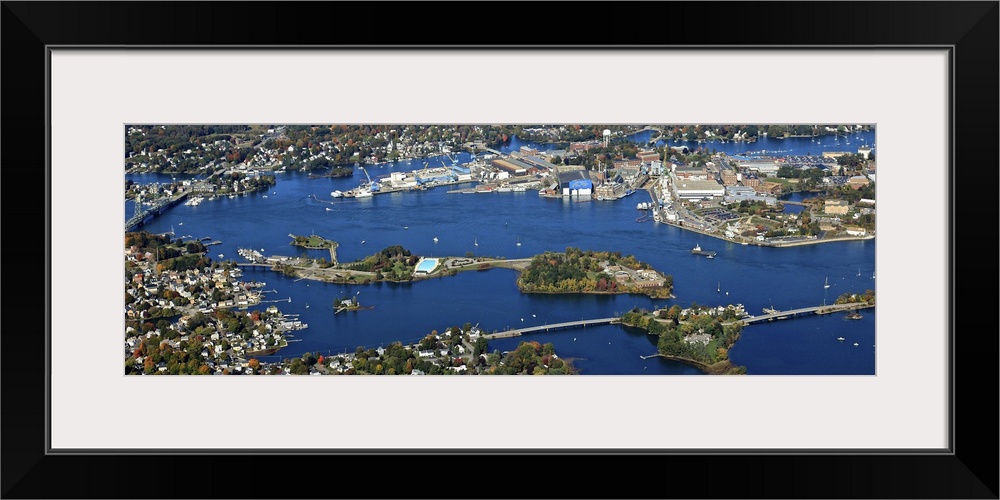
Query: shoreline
(717, 368)
(671, 296)
(770, 244)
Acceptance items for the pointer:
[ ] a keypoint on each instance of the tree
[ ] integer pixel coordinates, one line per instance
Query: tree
(308, 359)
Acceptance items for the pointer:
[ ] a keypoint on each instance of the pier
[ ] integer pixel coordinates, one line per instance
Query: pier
(259, 265)
(517, 332)
(807, 310)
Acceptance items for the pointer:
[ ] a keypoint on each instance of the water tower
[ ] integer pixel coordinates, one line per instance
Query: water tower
(607, 136)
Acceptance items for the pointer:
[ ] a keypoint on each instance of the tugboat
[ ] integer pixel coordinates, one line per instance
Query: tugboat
(698, 251)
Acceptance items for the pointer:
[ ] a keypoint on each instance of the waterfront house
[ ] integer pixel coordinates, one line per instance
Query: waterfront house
(699, 338)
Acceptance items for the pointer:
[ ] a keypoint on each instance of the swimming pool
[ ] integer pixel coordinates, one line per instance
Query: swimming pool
(426, 265)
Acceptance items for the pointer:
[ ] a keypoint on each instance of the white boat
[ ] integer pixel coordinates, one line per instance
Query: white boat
(221, 256)
(476, 242)
(718, 288)
(855, 344)
(435, 239)
(519, 242)
(337, 194)
(826, 284)
(840, 339)
(265, 196)
(859, 271)
(364, 193)
(328, 209)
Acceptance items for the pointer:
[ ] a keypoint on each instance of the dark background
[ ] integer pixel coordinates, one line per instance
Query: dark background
(971, 472)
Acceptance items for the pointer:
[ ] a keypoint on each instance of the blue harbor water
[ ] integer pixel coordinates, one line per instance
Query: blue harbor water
(783, 278)
(769, 146)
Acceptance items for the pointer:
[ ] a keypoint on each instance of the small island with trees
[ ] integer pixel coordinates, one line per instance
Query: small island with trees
(700, 336)
(578, 271)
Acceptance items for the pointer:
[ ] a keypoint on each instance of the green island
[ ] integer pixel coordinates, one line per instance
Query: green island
(314, 242)
(857, 298)
(578, 271)
(342, 304)
(700, 336)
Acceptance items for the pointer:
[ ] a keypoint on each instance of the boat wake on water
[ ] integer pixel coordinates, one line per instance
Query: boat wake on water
(316, 199)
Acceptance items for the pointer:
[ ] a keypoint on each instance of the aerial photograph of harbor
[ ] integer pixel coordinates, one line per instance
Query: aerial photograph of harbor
(534, 249)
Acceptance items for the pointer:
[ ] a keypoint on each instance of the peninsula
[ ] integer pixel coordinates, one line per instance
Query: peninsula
(572, 271)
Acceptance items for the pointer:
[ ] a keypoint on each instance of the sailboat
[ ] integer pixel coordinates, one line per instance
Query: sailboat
(826, 284)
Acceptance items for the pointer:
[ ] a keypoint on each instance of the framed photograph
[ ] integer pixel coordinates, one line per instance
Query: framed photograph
(240, 122)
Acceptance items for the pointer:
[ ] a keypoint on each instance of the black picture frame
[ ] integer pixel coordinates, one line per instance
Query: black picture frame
(970, 28)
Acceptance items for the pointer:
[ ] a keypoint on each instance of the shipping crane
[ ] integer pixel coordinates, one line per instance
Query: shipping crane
(371, 185)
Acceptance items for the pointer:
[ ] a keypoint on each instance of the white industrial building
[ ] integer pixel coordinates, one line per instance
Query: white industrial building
(694, 189)
(766, 167)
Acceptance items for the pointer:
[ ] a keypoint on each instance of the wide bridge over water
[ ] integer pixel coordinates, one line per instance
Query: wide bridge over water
(154, 210)
(824, 309)
(517, 332)
(807, 310)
